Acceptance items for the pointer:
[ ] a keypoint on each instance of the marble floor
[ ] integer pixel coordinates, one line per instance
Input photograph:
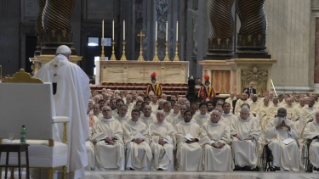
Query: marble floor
(198, 175)
(191, 175)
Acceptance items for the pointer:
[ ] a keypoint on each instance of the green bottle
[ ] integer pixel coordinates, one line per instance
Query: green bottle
(22, 135)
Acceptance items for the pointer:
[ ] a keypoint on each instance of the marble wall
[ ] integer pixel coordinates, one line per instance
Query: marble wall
(289, 41)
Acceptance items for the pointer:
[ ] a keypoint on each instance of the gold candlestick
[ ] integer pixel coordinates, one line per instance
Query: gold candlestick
(102, 53)
(155, 59)
(176, 58)
(123, 58)
(166, 58)
(141, 35)
(113, 57)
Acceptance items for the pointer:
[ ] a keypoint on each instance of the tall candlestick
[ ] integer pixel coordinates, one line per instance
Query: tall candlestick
(177, 31)
(113, 30)
(103, 29)
(156, 31)
(166, 31)
(123, 30)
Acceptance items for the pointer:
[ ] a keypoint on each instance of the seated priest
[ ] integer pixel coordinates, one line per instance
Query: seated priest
(179, 117)
(203, 116)
(245, 131)
(189, 152)
(109, 146)
(214, 138)
(89, 145)
(311, 132)
(147, 117)
(162, 136)
(227, 114)
(283, 137)
(174, 113)
(122, 115)
(167, 106)
(136, 139)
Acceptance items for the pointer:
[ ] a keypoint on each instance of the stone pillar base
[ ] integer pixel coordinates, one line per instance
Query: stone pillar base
(228, 76)
(38, 61)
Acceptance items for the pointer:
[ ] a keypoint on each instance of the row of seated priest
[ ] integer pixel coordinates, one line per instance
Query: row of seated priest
(152, 134)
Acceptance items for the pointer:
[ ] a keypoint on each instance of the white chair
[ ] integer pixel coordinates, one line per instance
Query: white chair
(29, 102)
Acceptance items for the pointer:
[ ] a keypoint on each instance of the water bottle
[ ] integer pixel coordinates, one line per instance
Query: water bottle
(22, 135)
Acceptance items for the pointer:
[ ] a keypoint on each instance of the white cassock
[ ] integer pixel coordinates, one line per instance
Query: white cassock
(90, 149)
(298, 109)
(171, 117)
(286, 156)
(162, 155)
(201, 119)
(138, 156)
(254, 107)
(189, 156)
(272, 112)
(177, 120)
(110, 156)
(230, 117)
(216, 159)
(291, 113)
(147, 120)
(306, 115)
(122, 119)
(71, 99)
(245, 152)
(230, 101)
(238, 105)
(99, 116)
(312, 130)
(262, 115)
(167, 113)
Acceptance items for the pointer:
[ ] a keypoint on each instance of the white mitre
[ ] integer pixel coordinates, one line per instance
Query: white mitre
(63, 49)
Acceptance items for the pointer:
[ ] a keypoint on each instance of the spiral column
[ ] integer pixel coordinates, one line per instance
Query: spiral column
(56, 25)
(252, 33)
(221, 37)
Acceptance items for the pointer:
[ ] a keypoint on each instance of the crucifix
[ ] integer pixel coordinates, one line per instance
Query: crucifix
(144, 72)
(141, 35)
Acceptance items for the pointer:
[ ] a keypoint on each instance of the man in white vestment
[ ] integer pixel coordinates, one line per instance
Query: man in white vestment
(180, 116)
(97, 111)
(173, 114)
(272, 110)
(227, 114)
(201, 117)
(109, 146)
(262, 112)
(239, 102)
(167, 108)
(89, 145)
(162, 143)
(147, 117)
(230, 100)
(214, 138)
(291, 113)
(254, 105)
(299, 107)
(122, 115)
(71, 96)
(189, 152)
(136, 139)
(283, 137)
(311, 132)
(245, 132)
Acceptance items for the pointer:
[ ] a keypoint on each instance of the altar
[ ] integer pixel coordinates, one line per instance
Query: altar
(175, 72)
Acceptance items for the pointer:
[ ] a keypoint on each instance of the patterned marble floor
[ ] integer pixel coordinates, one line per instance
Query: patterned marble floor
(198, 175)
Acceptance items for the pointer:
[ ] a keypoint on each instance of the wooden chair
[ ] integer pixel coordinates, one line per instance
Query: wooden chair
(28, 101)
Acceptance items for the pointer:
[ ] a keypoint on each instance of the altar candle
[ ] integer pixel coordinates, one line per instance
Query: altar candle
(166, 30)
(103, 29)
(156, 31)
(177, 31)
(123, 30)
(113, 30)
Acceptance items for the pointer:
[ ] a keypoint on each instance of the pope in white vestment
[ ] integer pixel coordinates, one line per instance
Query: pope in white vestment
(245, 132)
(136, 139)
(189, 152)
(162, 143)
(283, 141)
(214, 138)
(311, 132)
(109, 150)
(72, 93)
